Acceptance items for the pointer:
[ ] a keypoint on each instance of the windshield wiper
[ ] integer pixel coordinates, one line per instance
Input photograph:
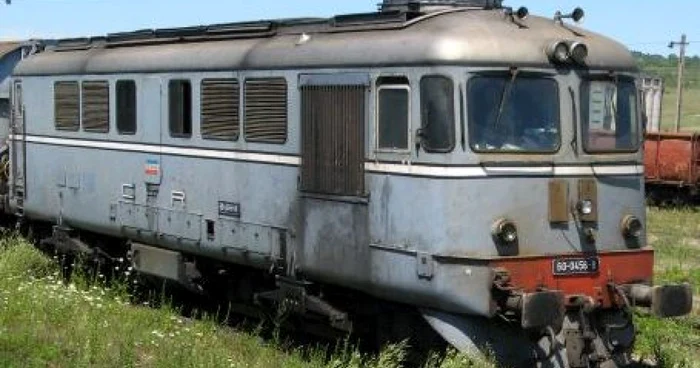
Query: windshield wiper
(504, 97)
(574, 112)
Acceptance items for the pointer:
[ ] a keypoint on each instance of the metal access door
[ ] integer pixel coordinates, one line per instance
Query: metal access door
(18, 148)
(334, 202)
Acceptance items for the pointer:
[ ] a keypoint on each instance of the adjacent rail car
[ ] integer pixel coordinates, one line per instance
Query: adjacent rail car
(672, 164)
(460, 159)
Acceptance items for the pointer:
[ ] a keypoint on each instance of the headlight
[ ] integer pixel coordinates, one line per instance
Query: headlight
(559, 52)
(579, 52)
(585, 207)
(632, 227)
(505, 232)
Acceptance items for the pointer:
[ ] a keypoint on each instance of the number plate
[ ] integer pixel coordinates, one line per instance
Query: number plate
(576, 266)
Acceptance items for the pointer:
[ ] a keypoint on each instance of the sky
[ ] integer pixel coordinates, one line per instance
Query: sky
(643, 25)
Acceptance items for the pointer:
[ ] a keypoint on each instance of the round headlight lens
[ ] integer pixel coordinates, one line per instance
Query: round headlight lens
(559, 52)
(585, 207)
(505, 231)
(579, 52)
(632, 227)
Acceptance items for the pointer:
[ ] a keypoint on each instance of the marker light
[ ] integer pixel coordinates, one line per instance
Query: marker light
(559, 52)
(579, 52)
(585, 207)
(505, 231)
(632, 227)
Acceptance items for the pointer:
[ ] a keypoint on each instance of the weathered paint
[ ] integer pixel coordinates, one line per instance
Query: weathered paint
(672, 158)
(417, 202)
(421, 234)
(531, 274)
(461, 37)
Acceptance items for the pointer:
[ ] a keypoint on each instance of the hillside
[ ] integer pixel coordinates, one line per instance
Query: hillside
(667, 68)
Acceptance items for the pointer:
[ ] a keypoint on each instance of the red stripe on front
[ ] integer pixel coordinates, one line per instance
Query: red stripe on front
(530, 274)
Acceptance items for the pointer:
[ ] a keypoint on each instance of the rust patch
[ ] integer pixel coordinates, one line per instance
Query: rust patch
(672, 158)
(558, 201)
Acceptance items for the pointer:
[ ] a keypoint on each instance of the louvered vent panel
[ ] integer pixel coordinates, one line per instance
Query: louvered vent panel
(266, 110)
(333, 121)
(220, 104)
(96, 106)
(67, 105)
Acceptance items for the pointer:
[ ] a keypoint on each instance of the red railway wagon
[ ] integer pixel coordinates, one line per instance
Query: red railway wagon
(672, 165)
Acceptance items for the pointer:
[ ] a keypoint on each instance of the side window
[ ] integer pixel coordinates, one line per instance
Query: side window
(67, 105)
(4, 108)
(180, 108)
(18, 100)
(220, 104)
(95, 99)
(393, 113)
(610, 116)
(437, 132)
(126, 107)
(266, 110)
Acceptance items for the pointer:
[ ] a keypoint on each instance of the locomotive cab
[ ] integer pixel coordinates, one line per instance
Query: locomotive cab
(553, 200)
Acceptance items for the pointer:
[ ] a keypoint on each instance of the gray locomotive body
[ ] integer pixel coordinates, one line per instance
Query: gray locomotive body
(382, 153)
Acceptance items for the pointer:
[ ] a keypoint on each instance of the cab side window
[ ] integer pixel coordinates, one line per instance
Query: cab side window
(4, 108)
(393, 113)
(437, 133)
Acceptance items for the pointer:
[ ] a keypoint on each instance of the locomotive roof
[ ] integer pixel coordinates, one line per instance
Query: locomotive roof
(464, 36)
(8, 47)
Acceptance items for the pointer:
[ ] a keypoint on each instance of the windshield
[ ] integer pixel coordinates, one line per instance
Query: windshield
(513, 114)
(610, 116)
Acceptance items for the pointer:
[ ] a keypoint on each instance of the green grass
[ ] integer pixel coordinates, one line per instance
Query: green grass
(675, 235)
(45, 323)
(690, 114)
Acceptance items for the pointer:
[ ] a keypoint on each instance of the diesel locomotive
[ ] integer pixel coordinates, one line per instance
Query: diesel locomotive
(462, 160)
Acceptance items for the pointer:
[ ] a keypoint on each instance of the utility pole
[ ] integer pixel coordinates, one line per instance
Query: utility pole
(681, 70)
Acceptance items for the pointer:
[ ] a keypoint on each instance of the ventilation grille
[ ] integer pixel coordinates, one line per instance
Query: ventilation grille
(67, 105)
(96, 106)
(220, 103)
(266, 110)
(333, 120)
(422, 5)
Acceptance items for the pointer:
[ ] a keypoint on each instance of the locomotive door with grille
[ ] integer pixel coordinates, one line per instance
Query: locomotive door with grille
(335, 214)
(18, 146)
(333, 122)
